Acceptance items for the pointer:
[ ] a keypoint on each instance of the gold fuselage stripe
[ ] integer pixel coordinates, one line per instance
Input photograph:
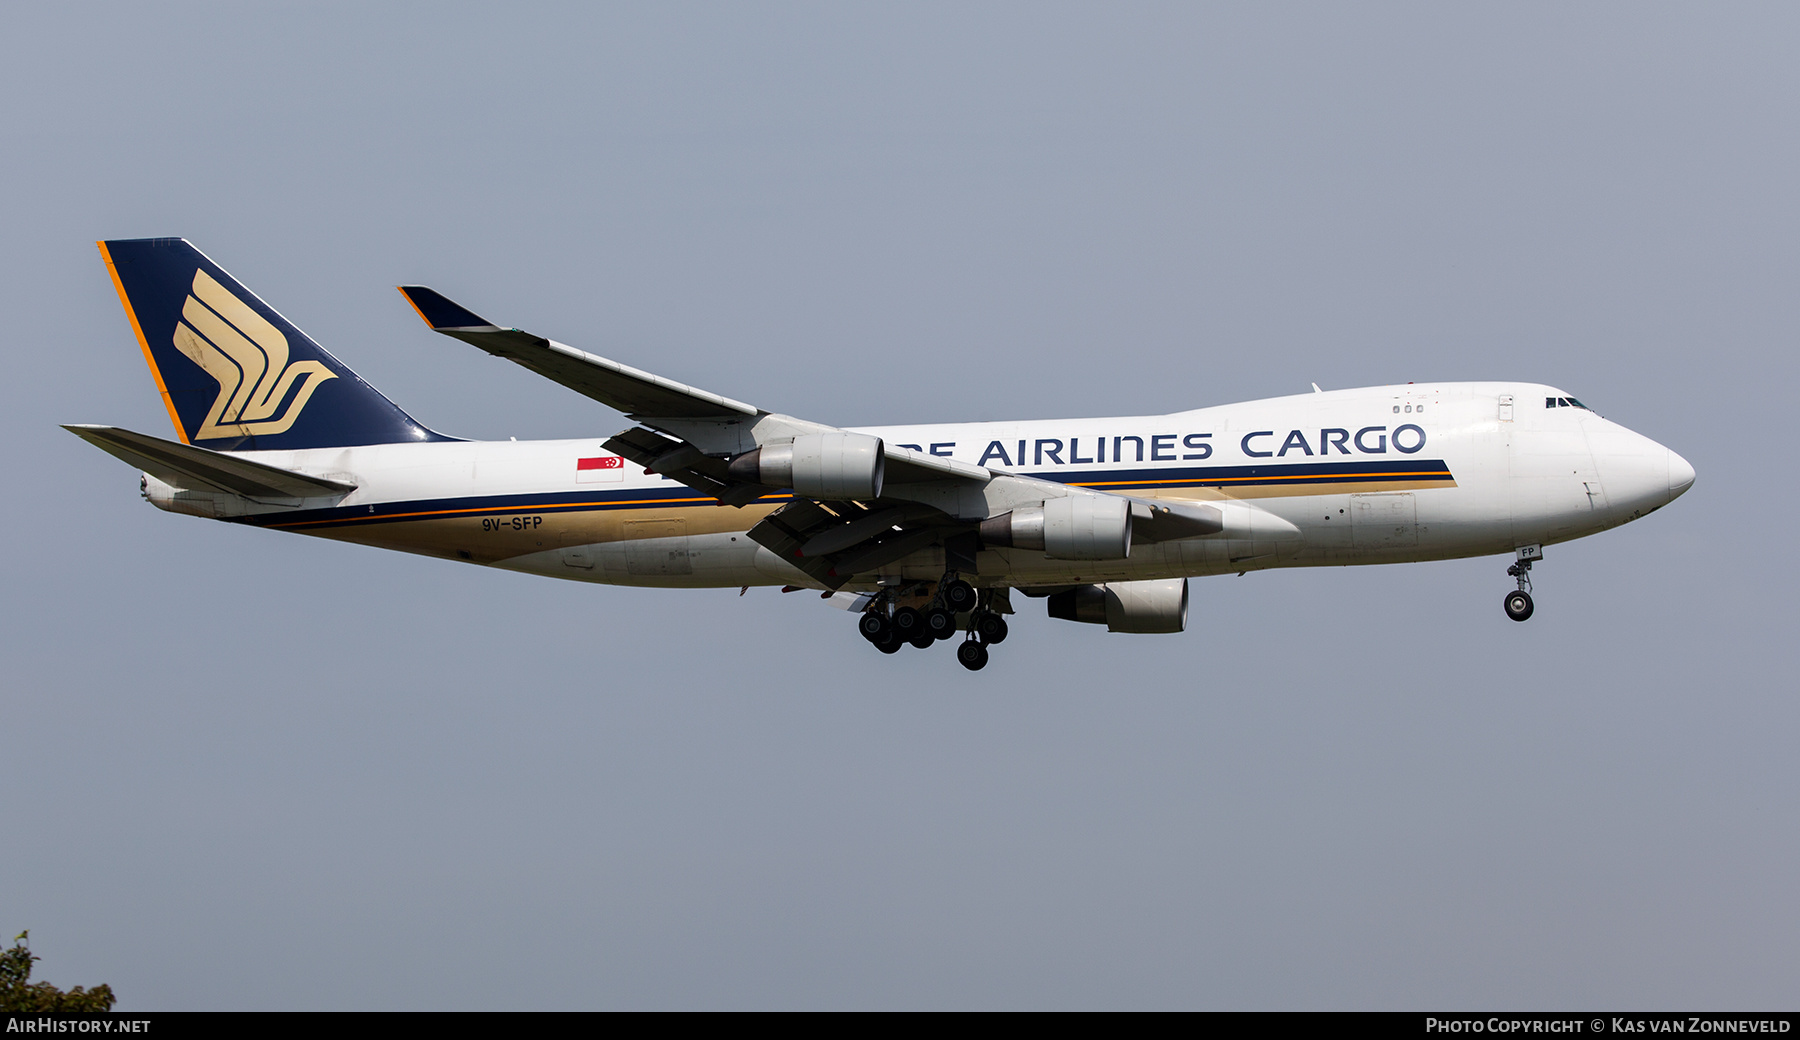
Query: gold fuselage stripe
(526, 508)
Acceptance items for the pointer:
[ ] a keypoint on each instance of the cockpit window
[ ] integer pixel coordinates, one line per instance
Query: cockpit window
(1564, 402)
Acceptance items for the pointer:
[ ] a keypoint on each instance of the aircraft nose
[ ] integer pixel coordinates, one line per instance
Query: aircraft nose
(1638, 473)
(1681, 475)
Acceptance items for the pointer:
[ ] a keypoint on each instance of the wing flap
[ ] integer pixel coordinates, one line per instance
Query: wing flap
(787, 529)
(833, 542)
(199, 469)
(681, 461)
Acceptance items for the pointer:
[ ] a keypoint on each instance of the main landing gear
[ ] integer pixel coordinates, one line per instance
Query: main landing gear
(1518, 604)
(986, 628)
(889, 627)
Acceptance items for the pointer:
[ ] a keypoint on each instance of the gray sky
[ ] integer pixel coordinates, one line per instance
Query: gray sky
(250, 770)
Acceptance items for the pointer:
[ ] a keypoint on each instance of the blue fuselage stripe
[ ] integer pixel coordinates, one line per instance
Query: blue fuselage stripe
(677, 496)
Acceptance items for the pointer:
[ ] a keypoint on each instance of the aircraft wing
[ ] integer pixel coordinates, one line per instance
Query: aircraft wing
(199, 469)
(632, 391)
(664, 404)
(693, 436)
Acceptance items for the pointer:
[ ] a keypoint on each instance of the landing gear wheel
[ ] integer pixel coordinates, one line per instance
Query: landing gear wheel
(890, 645)
(875, 627)
(940, 623)
(908, 623)
(991, 628)
(1518, 605)
(958, 595)
(923, 640)
(972, 655)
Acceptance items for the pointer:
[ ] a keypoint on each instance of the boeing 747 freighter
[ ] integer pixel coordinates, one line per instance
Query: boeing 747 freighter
(924, 532)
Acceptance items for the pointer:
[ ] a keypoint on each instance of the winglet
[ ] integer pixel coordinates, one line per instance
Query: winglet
(440, 312)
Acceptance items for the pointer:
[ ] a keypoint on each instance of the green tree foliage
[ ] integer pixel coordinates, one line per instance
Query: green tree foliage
(18, 993)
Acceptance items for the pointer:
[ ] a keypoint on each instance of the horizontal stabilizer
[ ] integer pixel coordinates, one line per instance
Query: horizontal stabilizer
(630, 390)
(198, 469)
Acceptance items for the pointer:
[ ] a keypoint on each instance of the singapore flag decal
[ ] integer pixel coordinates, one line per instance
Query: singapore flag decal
(602, 470)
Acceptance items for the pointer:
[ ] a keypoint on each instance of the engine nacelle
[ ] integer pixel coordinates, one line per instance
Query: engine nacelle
(836, 465)
(1126, 606)
(1079, 527)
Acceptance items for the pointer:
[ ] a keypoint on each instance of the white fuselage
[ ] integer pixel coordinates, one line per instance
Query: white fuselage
(1375, 475)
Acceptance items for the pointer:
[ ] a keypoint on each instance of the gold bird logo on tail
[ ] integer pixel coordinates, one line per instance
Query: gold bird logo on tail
(249, 357)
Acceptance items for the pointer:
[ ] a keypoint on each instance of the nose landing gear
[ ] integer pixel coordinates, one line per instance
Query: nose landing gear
(1518, 604)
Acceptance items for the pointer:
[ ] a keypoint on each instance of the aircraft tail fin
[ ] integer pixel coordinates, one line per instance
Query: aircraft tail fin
(235, 374)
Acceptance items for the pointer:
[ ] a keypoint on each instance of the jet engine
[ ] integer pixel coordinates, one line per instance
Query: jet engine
(1126, 606)
(836, 465)
(1079, 527)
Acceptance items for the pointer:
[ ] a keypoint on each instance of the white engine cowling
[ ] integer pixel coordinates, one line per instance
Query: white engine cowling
(1126, 606)
(836, 465)
(1079, 527)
